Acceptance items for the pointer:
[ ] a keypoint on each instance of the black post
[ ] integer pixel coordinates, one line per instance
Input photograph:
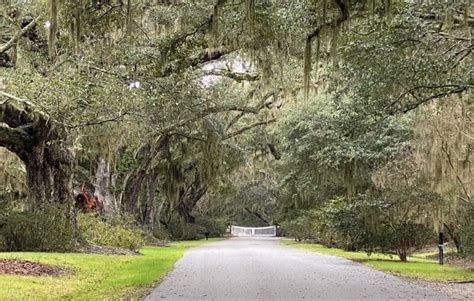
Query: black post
(441, 246)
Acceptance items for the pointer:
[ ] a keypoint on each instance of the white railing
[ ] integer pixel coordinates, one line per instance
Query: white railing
(253, 231)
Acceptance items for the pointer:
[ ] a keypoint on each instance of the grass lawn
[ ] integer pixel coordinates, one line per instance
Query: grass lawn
(96, 277)
(417, 266)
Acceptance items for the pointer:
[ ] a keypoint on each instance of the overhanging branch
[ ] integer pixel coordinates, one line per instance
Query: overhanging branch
(249, 127)
(446, 90)
(413, 106)
(20, 115)
(18, 35)
(237, 76)
(14, 139)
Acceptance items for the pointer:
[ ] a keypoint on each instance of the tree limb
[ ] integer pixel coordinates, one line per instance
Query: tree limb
(14, 139)
(453, 89)
(15, 116)
(203, 57)
(237, 76)
(432, 16)
(264, 102)
(18, 35)
(99, 122)
(344, 8)
(246, 128)
(456, 90)
(257, 215)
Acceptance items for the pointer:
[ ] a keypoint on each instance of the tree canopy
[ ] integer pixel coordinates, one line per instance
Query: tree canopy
(221, 111)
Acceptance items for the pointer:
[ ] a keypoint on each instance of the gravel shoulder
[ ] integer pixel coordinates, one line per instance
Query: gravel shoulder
(458, 290)
(262, 269)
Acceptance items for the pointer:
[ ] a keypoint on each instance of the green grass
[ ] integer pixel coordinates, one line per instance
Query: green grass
(96, 277)
(417, 266)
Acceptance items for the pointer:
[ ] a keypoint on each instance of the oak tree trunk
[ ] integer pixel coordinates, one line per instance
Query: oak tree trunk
(102, 186)
(42, 145)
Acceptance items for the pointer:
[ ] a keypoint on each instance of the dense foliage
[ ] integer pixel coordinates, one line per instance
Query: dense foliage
(119, 231)
(47, 230)
(193, 115)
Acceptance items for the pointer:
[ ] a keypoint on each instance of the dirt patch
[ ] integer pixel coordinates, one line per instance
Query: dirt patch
(105, 250)
(457, 290)
(30, 268)
(152, 241)
(457, 260)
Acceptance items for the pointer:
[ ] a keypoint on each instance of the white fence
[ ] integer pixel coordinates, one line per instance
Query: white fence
(253, 231)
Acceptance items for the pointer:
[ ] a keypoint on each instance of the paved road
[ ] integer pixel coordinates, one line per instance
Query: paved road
(262, 269)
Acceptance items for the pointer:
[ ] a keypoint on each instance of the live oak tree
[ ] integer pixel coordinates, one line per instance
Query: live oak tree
(154, 104)
(89, 73)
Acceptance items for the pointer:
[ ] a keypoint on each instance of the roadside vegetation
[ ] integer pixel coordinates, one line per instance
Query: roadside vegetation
(417, 266)
(93, 276)
(346, 122)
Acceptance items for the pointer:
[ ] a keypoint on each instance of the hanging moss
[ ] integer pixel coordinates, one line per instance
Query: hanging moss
(316, 63)
(215, 19)
(466, 15)
(388, 11)
(324, 11)
(448, 19)
(129, 18)
(77, 27)
(307, 68)
(250, 11)
(444, 136)
(334, 44)
(372, 7)
(53, 26)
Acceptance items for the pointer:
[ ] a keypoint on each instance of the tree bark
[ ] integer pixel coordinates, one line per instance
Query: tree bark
(455, 237)
(49, 168)
(136, 180)
(42, 145)
(190, 198)
(147, 206)
(102, 186)
(403, 255)
(349, 179)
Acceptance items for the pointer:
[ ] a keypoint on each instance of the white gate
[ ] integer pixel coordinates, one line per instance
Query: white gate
(253, 231)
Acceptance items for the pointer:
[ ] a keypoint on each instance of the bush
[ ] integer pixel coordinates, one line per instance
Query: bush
(405, 238)
(342, 224)
(161, 233)
(44, 230)
(301, 228)
(392, 221)
(215, 226)
(467, 231)
(119, 231)
(181, 230)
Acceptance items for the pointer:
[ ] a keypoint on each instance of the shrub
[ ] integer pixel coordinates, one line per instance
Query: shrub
(178, 229)
(391, 221)
(160, 232)
(467, 231)
(48, 229)
(405, 238)
(342, 224)
(215, 226)
(301, 228)
(119, 231)
(184, 231)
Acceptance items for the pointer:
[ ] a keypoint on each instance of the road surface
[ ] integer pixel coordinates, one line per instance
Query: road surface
(262, 269)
